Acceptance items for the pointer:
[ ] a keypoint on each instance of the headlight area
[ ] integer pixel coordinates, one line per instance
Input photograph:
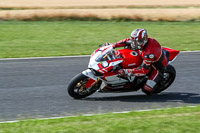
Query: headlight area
(96, 73)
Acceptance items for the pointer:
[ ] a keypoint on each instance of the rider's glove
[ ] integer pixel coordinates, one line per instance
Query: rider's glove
(128, 43)
(114, 45)
(105, 44)
(125, 72)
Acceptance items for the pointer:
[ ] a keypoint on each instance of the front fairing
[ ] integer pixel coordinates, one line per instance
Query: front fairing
(104, 58)
(103, 63)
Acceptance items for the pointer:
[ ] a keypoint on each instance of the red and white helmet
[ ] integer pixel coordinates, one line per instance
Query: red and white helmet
(139, 38)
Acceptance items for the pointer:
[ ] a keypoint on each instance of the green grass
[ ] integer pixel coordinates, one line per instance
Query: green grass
(175, 120)
(60, 38)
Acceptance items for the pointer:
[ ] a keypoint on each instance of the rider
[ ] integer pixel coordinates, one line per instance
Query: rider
(154, 58)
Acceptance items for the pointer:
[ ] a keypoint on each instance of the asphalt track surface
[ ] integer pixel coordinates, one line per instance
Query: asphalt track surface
(36, 88)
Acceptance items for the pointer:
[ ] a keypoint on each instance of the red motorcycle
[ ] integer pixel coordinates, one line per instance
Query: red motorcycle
(102, 73)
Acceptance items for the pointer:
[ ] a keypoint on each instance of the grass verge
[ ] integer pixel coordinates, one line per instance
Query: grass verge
(61, 38)
(174, 120)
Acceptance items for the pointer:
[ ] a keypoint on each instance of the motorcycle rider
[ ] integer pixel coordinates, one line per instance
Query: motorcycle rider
(154, 58)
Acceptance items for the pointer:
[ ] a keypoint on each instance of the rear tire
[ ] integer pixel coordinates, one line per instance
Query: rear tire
(168, 78)
(76, 87)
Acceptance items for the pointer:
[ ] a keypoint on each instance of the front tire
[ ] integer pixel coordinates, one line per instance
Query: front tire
(76, 87)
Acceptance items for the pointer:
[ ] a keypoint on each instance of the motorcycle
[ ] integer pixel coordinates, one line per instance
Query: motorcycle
(102, 73)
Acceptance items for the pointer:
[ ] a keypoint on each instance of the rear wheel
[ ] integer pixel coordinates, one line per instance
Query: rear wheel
(167, 79)
(77, 89)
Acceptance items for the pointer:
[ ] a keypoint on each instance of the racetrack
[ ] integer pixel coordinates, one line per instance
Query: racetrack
(32, 88)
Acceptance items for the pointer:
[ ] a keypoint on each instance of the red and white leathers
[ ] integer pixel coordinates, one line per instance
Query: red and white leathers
(154, 61)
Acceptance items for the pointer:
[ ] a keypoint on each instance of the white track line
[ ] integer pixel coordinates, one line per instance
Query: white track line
(60, 57)
(56, 57)
(190, 51)
(123, 112)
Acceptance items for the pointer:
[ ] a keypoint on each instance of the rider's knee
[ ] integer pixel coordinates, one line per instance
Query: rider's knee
(149, 86)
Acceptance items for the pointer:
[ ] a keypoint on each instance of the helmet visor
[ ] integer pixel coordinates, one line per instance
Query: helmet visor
(139, 42)
(136, 44)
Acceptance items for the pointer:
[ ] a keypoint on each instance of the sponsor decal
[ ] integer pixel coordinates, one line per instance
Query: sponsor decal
(104, 64)
(151, 56)
(139, 74)
(133, 64)
(147, 61)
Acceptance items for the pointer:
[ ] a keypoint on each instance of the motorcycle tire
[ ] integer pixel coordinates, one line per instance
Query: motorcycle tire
(172, 75)
(76, 87)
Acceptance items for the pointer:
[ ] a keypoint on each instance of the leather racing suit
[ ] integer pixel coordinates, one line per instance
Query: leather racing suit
(154, 62)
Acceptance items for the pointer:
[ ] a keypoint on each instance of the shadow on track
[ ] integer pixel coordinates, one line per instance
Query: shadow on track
(192, 98)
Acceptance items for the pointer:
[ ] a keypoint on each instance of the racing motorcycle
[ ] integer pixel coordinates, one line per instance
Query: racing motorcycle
(102, 73)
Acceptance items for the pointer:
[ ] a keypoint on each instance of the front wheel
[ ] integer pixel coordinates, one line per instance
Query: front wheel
(167, 79)
(77, 89)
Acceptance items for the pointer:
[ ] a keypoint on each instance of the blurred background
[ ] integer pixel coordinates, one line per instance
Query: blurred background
(152, 10)
(37, 28)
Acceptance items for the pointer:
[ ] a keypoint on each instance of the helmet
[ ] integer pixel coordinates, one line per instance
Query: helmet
(138, 38)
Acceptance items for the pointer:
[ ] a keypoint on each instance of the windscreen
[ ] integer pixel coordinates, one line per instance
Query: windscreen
(110, 55)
